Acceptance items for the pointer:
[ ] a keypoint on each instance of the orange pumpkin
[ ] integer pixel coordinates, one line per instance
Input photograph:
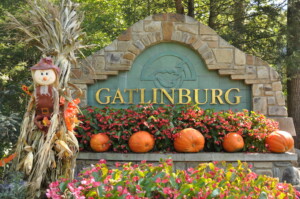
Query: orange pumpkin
(100, 142)
(189, 140)
(141, 142)
(233, 142)
(280, 142)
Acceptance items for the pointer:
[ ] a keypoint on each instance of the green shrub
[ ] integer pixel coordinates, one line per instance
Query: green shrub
(165, 122)
(131, 181)
(12, 186)
(9, 131)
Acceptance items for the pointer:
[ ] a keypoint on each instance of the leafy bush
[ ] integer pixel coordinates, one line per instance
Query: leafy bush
(148, 181)
(12, 186)
(165, 122)
(9, 132)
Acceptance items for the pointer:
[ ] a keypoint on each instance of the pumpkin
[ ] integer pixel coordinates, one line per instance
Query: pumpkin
(100, 142)
(141, 142)
(189, 140)
(233, 142)
(280, 142)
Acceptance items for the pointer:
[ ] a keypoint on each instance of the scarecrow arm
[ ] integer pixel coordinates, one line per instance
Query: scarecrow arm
(30, 106)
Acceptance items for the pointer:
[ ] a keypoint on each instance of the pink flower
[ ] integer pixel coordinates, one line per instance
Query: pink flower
(106, 181)
(257, 189)
(77, 192)
(96, 184)
(108, 188)
(125, 191)
(282, 186)
(52, 194)
(191, 170)
(54, 184)
(189, 180)
(143, 161)
(120, 189)
(158, 180)
(251, 176)
(135, 166)
(135, 178)
(102, 161)
(169, 162)
(54, 191)
(167, 190)
(84, 182)
(71, 187)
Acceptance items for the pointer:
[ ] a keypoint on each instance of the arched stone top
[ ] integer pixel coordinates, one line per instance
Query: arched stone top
(217, 54)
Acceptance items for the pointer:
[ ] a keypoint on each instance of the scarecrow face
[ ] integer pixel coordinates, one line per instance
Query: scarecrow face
(44, 77)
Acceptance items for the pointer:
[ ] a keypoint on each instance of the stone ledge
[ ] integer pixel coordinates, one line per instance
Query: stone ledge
(201, 157)
(83, 81)
(286, 124)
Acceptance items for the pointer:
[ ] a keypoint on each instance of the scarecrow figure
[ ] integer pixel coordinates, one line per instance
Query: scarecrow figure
(45, 77)
(47, 146)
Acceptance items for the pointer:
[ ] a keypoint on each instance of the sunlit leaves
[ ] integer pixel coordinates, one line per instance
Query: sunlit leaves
(204, 181)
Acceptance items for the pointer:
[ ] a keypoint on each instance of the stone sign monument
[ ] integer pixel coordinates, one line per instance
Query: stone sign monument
(174, 59)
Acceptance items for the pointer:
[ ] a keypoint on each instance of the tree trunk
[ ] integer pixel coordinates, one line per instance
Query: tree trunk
(191, 8)
(293, 64)
(293, 86)
(238, 23)
(179, 7)
(213, 14)
(149, 7)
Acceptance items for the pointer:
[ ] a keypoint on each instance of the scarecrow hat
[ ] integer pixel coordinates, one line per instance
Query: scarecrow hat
(44, 64)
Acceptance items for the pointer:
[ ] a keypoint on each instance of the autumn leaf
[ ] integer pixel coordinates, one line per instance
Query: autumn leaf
(26, 90)
(46, 121)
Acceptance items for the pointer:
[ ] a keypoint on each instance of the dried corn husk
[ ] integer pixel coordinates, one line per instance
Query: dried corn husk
(52, 162)
(28, 148)
(28, 163)
(62, 148)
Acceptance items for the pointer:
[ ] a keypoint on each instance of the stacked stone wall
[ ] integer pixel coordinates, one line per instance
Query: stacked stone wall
(216, 53)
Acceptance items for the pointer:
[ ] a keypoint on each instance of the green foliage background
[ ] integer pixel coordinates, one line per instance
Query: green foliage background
(257, 27)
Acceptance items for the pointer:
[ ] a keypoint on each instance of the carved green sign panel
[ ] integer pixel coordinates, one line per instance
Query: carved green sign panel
(170, 73)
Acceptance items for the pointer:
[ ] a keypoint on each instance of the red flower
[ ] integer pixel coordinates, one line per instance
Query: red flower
(102, 161)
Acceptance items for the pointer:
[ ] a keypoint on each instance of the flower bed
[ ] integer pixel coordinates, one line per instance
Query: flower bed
(165, 122)
(207, 180)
